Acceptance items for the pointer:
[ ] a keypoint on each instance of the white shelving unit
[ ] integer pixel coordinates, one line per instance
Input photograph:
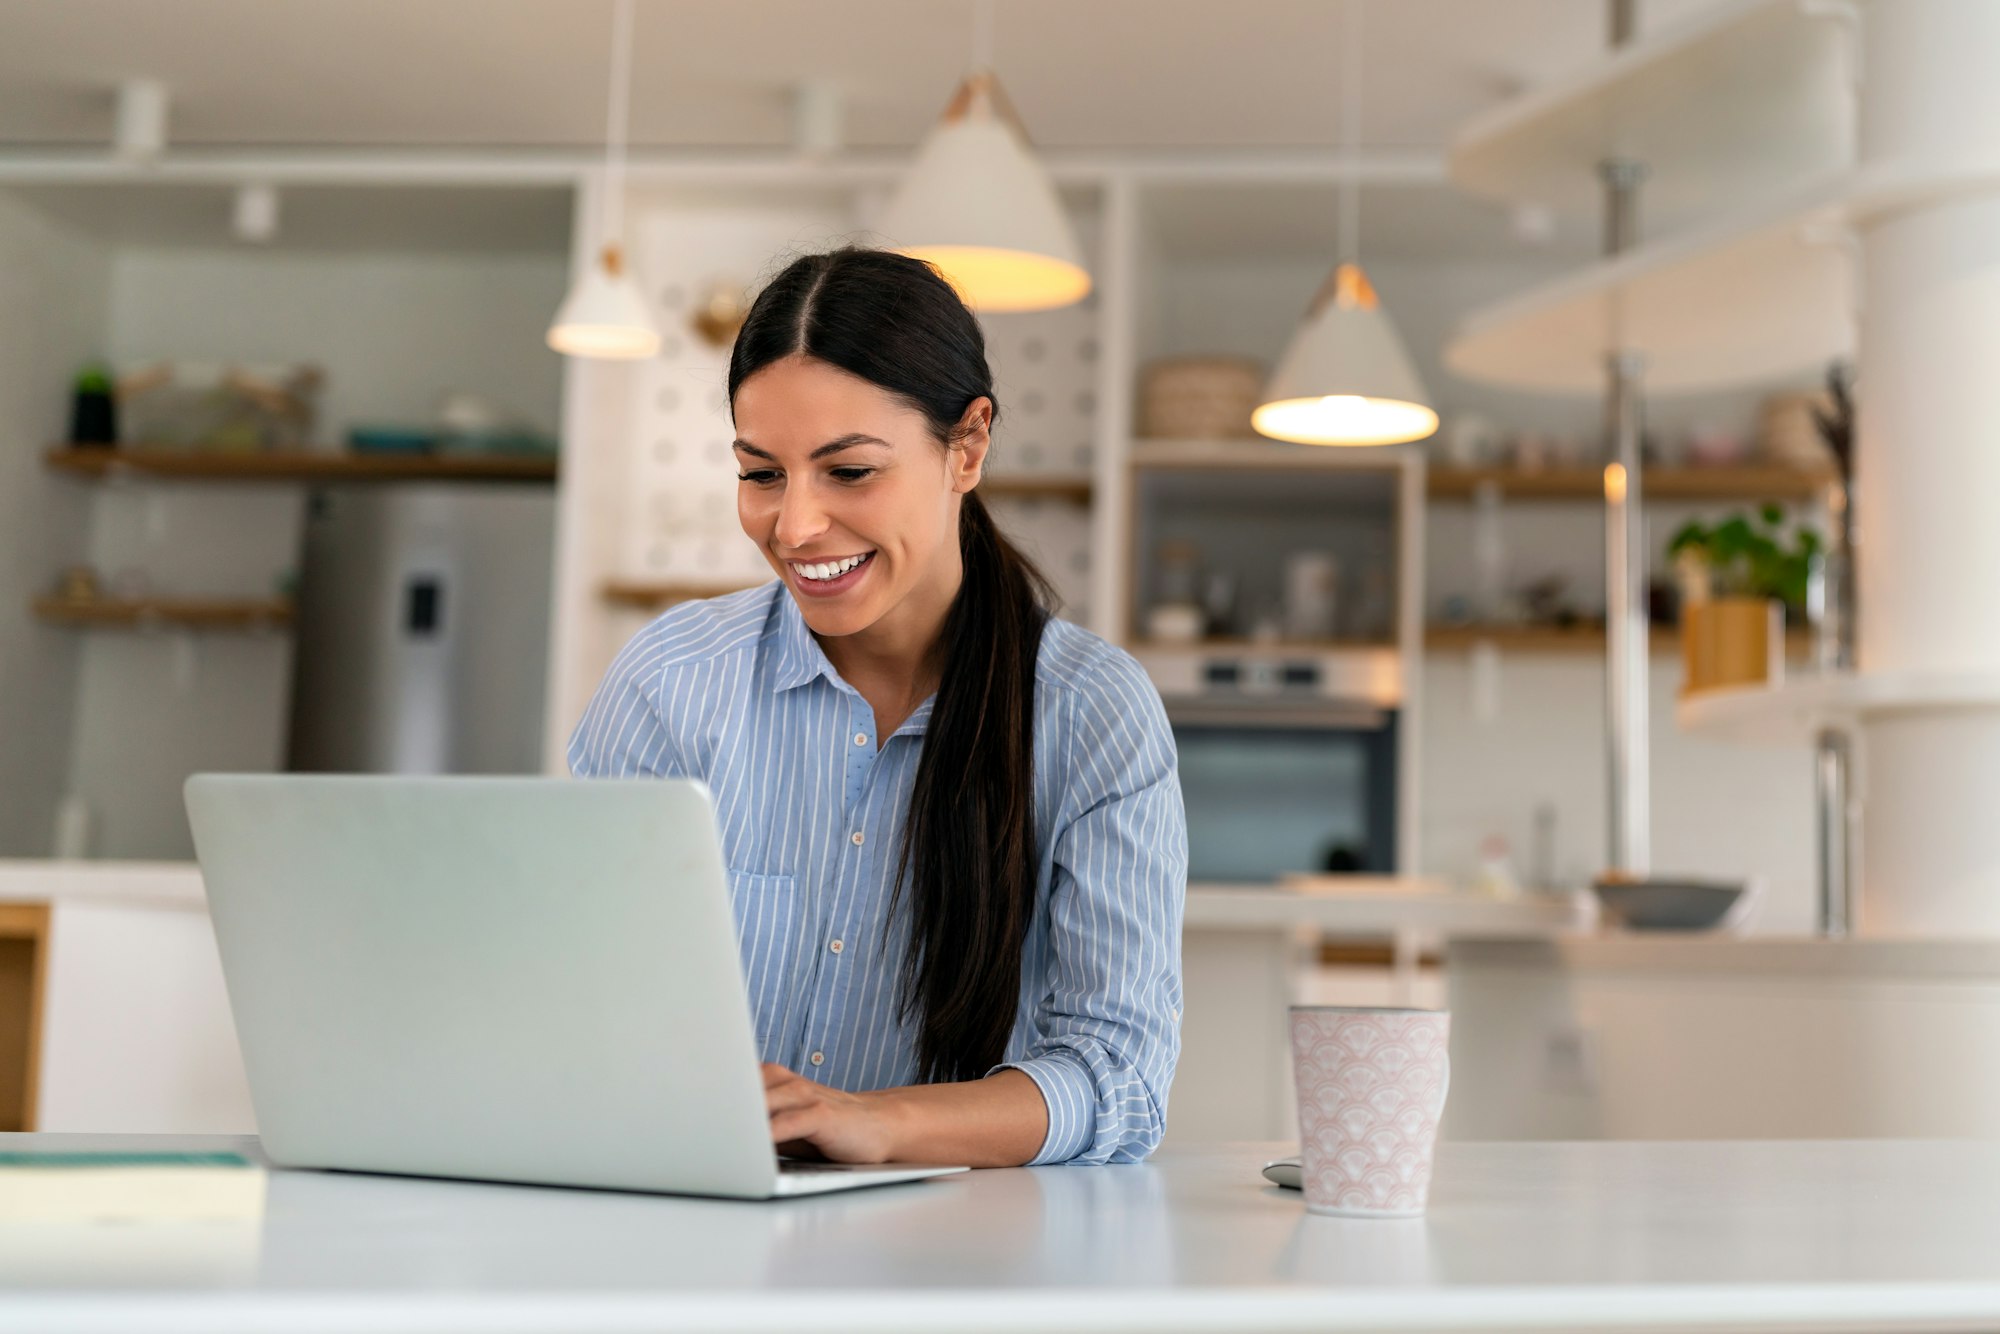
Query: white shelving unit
(1784, 271)
(1728, 103)
(1793, 713)
(1739, 128)
(1680, 101)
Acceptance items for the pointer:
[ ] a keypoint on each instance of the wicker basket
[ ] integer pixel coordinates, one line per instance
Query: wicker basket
(1199, 398)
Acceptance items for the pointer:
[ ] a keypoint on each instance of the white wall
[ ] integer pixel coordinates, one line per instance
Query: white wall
(392, 330)
(54, 299)
(153, 707)
(1718, 810)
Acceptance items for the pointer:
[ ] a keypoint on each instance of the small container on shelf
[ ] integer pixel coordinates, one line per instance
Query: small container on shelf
(1200, 398)
(391, 440)
(226, 408)
(93, 421)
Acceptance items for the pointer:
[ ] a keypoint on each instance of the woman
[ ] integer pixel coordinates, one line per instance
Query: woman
(954, 829)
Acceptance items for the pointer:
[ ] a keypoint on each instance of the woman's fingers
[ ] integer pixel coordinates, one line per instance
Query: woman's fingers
(797, 1093)
(798, 1123)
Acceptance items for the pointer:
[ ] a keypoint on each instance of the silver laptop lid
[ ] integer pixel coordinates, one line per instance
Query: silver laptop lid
(514, 979)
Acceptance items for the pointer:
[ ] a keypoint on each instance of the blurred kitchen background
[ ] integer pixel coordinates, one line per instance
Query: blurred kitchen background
(290, 478)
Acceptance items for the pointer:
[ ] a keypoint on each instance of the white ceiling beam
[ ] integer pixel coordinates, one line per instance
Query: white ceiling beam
(565, 167)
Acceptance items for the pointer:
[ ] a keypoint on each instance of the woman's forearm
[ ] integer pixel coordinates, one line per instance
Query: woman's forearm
(998, 1121)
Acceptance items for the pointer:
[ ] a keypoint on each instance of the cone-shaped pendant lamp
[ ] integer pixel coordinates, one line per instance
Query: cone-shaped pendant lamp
(1346, 379)
(604, 314)
(978, 205)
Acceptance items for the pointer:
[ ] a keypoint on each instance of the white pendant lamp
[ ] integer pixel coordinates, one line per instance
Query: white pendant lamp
(979, 206)
(1346, 379)
(604, 314)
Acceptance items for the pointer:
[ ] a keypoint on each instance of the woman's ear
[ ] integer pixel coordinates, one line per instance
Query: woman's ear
(973, 439)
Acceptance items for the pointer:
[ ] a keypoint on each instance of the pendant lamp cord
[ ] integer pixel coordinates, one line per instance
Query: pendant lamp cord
(1350, 131)
(982, 35)
(614, 128)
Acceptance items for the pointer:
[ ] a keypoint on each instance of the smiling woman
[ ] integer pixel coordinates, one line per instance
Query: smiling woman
(1004, 986)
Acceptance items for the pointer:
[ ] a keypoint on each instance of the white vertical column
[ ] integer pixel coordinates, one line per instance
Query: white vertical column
(1928, 469)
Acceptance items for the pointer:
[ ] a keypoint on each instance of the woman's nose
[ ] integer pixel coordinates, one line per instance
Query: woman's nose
(800, 518)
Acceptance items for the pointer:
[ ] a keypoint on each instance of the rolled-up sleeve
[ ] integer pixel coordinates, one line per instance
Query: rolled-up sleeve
(1107, 1034)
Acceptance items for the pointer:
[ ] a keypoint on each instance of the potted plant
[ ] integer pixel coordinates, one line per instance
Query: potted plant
(1740, 579)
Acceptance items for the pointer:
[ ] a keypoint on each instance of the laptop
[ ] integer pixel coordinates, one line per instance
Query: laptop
(501, 979)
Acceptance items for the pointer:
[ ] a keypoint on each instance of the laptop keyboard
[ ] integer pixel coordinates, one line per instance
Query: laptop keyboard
(804, 1167)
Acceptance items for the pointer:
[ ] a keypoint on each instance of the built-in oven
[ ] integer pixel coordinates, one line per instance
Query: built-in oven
(1289, 761)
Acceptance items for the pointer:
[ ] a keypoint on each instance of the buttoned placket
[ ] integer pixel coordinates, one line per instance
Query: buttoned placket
(832, 966)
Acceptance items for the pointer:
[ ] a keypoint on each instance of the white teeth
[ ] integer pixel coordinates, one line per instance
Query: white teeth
(828, 569)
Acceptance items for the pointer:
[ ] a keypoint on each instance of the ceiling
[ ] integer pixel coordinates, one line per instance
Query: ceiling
(1109, 74)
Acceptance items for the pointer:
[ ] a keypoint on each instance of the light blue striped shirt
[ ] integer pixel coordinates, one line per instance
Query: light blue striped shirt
(736, 692)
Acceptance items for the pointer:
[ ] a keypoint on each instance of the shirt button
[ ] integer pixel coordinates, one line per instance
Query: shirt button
(836, 947)
(860, 738)
(855, 838)
(819, 1058)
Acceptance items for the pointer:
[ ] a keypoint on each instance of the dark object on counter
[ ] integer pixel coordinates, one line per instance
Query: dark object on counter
(1344, 857)
(1667, 905)
(1663, 602)
(93, 418)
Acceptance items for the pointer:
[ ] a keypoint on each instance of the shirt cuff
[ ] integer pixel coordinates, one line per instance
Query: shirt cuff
(1071, 1094)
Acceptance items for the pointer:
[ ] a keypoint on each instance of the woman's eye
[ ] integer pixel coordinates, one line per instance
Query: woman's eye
(761, 476)
(853, 474)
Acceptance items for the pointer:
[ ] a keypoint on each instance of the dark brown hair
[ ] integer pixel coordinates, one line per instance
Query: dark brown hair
(969, 858)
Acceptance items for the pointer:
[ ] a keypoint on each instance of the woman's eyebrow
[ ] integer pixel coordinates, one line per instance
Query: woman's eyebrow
(848, 441)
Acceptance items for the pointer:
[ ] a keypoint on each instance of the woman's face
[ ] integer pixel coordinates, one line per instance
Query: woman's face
(851, 499)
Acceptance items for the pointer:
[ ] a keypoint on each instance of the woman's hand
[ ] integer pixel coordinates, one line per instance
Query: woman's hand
(809, 1119)
(998, 1121)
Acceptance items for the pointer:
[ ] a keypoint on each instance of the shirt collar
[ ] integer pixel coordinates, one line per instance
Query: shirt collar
(797, 659)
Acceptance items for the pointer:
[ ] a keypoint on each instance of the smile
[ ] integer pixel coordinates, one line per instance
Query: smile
(828, 574)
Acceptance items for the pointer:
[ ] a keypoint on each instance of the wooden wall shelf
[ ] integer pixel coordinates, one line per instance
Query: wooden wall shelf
(647, 596)
(1241, 644)
(1036, 486)
(1581, 639)
(297, 466)
(188, 613)
(1747, 484)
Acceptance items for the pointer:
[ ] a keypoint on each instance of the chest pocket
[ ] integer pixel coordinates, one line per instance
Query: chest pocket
(767, 911)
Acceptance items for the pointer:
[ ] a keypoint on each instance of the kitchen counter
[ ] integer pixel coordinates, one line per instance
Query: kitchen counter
(1389, 907)
(126, 1024)
(1791, 1235)
(1643, 1036)
(1249, 951)
(136, 884)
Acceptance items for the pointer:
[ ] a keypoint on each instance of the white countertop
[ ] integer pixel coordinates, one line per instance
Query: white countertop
(1635, 953)
(1385, 905)
(133, 884)
(1798, 1235)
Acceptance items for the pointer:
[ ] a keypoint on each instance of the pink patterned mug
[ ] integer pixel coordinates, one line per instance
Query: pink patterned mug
(1371, 1087)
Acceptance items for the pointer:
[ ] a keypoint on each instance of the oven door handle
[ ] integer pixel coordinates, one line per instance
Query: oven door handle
(1313, 717)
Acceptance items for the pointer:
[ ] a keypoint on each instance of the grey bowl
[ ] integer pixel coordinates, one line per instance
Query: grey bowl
(1668, 905)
